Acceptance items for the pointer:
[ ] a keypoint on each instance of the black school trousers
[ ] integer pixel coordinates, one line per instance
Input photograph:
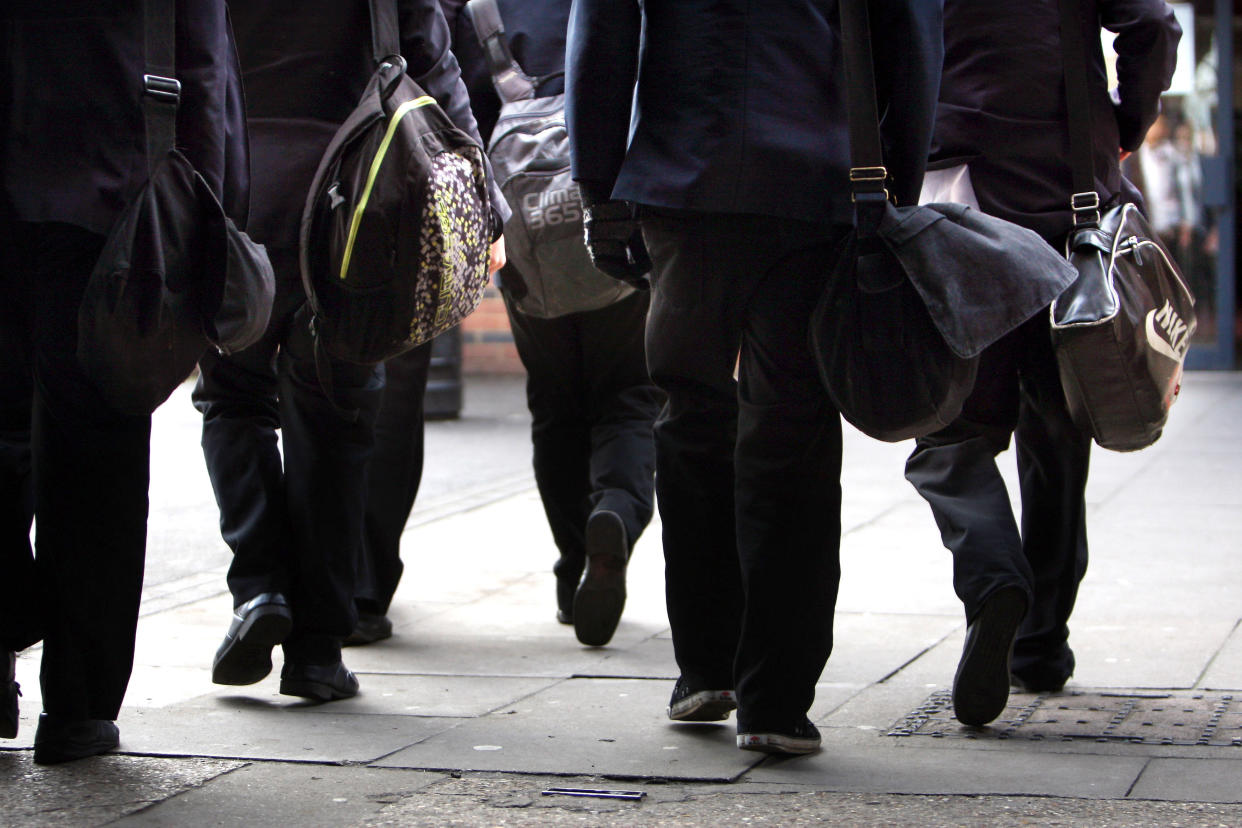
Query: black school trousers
(291, 512)
(747, 472)
(592, 409)
(77, 469)
(1017, 393)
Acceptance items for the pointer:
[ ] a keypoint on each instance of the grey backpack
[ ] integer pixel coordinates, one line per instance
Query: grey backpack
(529, 151)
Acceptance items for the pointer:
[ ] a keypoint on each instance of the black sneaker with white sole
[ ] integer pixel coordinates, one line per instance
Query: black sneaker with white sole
(798, 741)
(689, 704)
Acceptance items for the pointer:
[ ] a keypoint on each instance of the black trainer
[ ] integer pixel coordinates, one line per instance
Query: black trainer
(981, 685)
(63, 740)
(800, 740)
(689, 704)
(601, 595)
(9, 691)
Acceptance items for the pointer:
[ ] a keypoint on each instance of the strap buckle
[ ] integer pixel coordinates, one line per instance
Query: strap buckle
(868, 180)
(164, 90)
(1086, 208)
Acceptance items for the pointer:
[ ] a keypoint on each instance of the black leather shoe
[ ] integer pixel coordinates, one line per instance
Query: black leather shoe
(565, 591)
(981, 686)
(320, 682)
(258, 625)
(369, 629)
(63, 740)
(601, 595)
(9, 691)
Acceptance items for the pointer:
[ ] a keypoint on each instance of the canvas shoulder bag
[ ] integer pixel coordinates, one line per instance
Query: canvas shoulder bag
(915, 293)
(175, 275)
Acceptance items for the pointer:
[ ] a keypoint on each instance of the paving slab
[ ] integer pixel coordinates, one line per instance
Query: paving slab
(609, 727)
(441, 648)
(266, 794)
(870, 646)
(1226, 668)
(651, 658)
(1146, 651)
(1191, 780)
(245, 728)
(906, 769)
(95, 791)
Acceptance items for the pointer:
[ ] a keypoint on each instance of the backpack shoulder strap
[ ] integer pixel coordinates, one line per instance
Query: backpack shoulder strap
(512, 84)
(385, 29)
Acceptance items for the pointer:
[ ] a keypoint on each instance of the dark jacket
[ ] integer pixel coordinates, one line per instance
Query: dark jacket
(535, 31)
(305, 64)
(740, 105)
(1002, 99)
(71, 131)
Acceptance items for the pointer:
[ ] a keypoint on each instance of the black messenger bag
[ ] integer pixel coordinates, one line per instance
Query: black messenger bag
(176, 275)
(916, 293)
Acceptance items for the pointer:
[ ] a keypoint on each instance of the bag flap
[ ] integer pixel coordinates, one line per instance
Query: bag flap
(979, 276)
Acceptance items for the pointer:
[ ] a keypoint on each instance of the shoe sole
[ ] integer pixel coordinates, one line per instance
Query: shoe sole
(704, 706)
(315, 690)
(778, 743)
(600, 598)
(247, 659)
(981, 684)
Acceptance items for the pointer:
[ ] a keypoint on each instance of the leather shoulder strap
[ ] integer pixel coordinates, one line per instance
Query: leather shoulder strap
(868, 175)
(1085, 201)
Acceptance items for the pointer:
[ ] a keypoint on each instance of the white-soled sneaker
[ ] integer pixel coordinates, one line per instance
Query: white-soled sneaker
(804, 739)
(690, 705)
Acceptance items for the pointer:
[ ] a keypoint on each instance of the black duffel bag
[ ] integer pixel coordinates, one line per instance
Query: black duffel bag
(176, 275)
(1121, 331)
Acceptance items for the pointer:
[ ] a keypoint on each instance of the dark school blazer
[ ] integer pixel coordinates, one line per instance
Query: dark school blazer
(739, 105)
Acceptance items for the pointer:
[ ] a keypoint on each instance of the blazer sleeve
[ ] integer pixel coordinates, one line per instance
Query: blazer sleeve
(1146, 45)
(425, 43)
(908, 48)
(601, 67)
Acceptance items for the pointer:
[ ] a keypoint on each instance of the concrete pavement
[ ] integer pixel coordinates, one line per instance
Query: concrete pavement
(481, 701)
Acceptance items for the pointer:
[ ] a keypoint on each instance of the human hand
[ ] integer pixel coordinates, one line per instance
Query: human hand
(496, 256)
(614, 241)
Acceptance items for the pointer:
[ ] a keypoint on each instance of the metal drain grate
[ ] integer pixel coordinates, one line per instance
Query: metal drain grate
(1138, 718)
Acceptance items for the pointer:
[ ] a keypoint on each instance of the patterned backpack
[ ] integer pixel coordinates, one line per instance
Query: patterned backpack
(398, 222)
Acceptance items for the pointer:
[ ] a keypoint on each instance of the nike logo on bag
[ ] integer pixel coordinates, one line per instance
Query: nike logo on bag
(1174, 340)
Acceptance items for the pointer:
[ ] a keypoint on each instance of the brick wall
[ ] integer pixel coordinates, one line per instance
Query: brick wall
(487, 343)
